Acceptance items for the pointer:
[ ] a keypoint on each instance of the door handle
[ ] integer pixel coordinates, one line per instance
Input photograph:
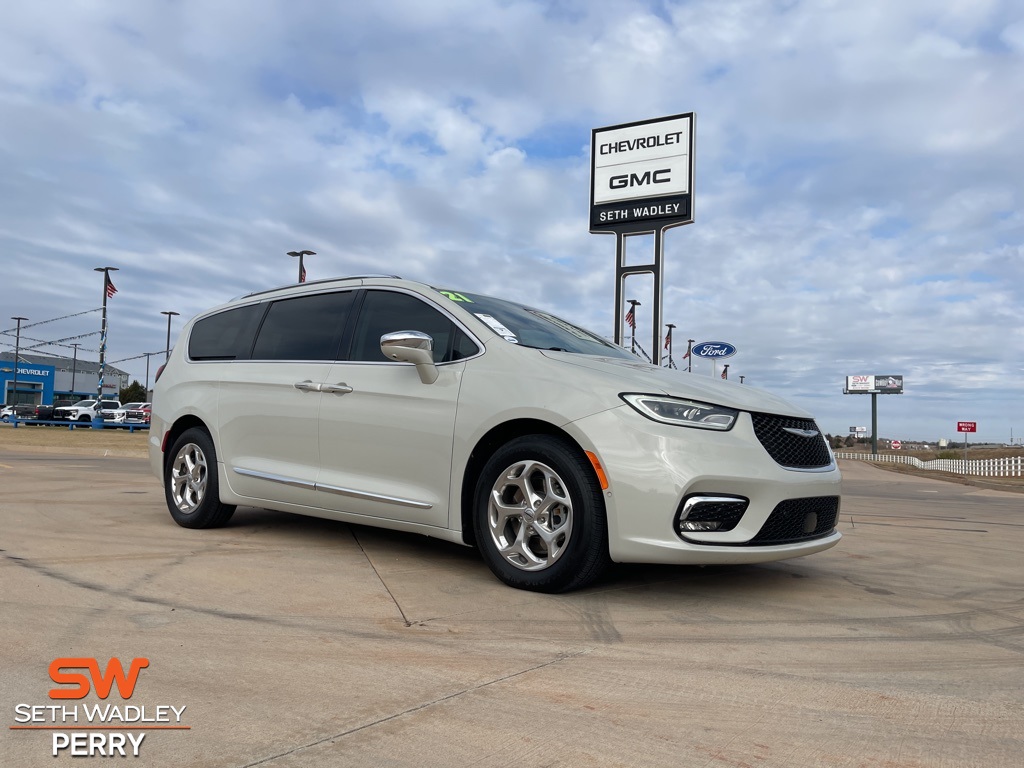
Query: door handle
(307, 386)
(336, 389)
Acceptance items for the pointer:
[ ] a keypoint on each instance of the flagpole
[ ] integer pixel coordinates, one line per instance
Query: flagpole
(103, 331)
(633, 304)
(302, 269)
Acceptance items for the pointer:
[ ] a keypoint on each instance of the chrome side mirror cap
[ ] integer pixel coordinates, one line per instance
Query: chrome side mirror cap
(411, 347)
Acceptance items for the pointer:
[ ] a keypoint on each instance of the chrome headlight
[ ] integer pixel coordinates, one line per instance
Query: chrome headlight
(683, 413)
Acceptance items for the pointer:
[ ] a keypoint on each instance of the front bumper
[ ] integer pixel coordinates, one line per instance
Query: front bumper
(653, 467)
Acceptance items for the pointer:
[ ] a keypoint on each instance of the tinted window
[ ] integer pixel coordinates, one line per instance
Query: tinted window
(387, 312)
(226, 335)
(303, 328)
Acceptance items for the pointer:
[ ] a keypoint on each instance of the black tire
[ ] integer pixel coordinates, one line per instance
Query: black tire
(191, 484)
(560, 541)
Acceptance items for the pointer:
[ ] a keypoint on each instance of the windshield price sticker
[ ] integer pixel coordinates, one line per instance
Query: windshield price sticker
(498, 328)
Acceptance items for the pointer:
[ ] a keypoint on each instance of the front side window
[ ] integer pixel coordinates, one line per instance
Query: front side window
(387, 312)
(303, 328)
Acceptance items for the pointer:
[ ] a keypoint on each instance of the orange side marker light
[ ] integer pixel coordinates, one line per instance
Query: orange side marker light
(599, 470)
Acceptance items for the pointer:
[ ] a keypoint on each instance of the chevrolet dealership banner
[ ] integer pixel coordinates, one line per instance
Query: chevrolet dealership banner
(642, 172)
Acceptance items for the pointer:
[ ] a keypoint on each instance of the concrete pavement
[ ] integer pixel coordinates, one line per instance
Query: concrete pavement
(304, 642)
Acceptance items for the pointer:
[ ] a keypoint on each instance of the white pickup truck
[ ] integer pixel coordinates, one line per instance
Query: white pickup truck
(86, 410)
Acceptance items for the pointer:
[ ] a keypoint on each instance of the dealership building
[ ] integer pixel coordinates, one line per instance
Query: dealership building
(45, 378)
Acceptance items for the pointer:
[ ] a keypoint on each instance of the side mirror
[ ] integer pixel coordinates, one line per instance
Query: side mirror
(411, 347)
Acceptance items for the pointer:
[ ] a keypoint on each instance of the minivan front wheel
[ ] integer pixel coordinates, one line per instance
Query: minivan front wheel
(539, 516)
(191, 486)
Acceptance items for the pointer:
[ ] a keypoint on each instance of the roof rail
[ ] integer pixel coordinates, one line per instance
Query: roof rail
(316, 282)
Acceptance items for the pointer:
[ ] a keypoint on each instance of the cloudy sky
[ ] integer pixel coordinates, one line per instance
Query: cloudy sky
(857, 200)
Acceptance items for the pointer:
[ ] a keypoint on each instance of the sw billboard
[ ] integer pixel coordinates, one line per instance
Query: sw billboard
(887, 384)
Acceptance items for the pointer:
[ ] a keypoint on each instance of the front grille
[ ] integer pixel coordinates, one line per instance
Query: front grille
(796, 520)
(788, 449)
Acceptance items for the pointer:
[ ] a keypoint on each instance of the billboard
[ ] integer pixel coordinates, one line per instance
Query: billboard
(878, 384)
(642, 172)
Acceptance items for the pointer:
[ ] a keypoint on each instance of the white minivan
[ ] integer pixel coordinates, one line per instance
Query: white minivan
(382, 401)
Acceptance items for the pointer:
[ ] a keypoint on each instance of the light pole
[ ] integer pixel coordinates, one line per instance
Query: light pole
(108, 291)
(17, 345)
(302, 269)
(74, 366)
(167, 349)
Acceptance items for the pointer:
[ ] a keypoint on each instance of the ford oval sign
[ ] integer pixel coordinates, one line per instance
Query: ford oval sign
(716, 350)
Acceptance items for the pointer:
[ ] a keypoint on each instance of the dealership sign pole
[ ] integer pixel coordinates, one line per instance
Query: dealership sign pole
(641, 183)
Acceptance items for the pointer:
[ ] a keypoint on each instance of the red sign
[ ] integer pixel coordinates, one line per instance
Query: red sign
(967, 426)
(896, 445)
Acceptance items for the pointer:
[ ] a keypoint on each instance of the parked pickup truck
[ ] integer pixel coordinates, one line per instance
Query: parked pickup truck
(136, 413)
(26, 410)
(85, 410)
(40, 412)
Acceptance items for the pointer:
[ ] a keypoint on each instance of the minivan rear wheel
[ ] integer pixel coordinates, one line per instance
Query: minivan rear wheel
(191, 485)
(539, 516)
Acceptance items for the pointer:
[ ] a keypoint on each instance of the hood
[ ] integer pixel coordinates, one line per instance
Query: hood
(638, 376)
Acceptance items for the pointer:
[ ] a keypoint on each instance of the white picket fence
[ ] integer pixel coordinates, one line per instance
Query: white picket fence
(1012, 466)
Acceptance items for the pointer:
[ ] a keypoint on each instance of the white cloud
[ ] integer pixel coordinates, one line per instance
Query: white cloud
(857, 196)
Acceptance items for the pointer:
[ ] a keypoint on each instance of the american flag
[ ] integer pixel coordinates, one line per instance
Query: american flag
(302, 273)
(725, 372)
(668, 339)
(111, 290)
(631, 319)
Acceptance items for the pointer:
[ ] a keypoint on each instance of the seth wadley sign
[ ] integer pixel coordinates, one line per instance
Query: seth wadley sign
(649, 163)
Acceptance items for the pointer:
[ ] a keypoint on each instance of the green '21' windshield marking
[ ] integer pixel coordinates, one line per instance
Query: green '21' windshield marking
(455, 296)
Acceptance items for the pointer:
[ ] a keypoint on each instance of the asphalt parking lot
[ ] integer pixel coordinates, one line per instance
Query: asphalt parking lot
(303, 642)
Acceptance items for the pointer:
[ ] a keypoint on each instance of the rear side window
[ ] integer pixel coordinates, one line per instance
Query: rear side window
(303, 328)
(226, 335)
(386, 312)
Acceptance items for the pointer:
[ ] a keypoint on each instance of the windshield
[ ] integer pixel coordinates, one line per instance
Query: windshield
(529, 327)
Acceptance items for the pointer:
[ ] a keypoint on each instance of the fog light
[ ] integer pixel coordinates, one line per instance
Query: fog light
(703, 513)
(699, 525)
